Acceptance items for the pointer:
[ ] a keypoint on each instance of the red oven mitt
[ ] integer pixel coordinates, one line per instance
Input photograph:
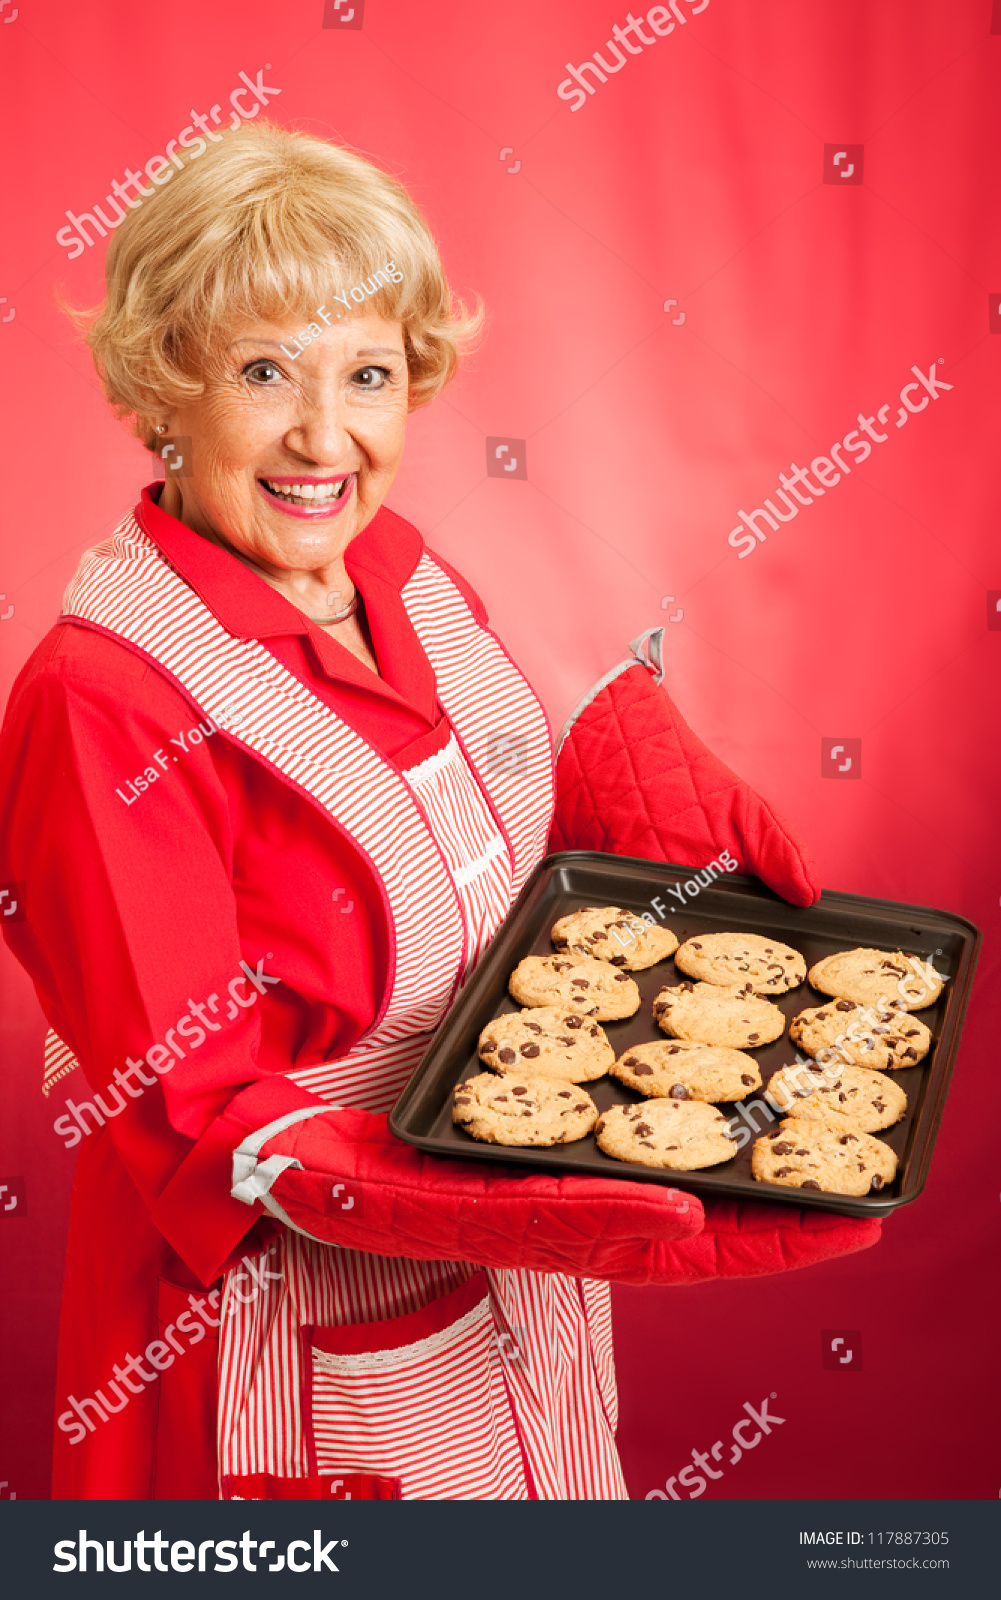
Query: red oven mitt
(633, 779)
(341, 1177)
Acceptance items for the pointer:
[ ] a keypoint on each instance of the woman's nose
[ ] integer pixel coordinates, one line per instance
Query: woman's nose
(320, 432)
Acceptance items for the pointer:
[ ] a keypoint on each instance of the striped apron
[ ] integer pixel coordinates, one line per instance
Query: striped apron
(453, 1382)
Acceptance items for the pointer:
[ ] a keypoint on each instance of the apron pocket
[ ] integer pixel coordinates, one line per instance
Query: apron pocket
(422, 1398)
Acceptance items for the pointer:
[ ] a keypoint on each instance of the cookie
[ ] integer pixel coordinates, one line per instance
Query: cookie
(728, 958)
(683, 1070)
(711, 1014)
(551, 1040)
(806, 1155)
(523, 1109)
(615, 936)
(591, 987)
(666, 1133)
(865, 1036)
(838, 1096)
(906, 983)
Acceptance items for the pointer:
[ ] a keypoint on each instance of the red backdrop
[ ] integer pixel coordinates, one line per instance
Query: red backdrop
(743, 239)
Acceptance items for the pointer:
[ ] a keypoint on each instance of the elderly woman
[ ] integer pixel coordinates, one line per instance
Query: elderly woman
(248, 785)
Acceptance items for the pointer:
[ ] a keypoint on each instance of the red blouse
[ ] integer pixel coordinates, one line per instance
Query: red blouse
(157, 914)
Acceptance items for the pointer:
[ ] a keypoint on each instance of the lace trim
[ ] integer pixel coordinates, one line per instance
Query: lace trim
(404, 1354)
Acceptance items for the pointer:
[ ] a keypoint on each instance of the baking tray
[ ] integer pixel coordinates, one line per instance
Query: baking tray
(562, 883)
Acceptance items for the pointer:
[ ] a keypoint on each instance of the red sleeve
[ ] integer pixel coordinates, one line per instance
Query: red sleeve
(132, 936)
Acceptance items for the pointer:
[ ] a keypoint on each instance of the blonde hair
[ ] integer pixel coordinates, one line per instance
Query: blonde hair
(266, 226)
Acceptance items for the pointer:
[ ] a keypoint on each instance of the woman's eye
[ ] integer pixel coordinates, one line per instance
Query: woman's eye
(264, 372)
(372, 377)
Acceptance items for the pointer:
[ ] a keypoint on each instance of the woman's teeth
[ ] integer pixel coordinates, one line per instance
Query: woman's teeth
(308, 491)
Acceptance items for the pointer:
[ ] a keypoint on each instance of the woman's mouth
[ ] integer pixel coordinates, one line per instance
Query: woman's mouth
(308, 497)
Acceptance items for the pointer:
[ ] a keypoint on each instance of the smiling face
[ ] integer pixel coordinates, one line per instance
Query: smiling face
(292, 453)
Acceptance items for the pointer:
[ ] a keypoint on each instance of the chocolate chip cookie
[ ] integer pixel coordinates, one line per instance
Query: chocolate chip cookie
(838, 1096)
(682, 1070)
(906, 983)
(592, 987)
(807, 1155)
(710, 1013)
(613, 935)
(666, 1133)
(552, 1040)
(522, 1109)
(729, 958)
(866, 1036)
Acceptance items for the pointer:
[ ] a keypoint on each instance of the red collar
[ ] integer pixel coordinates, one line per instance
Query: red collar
(379, 561)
